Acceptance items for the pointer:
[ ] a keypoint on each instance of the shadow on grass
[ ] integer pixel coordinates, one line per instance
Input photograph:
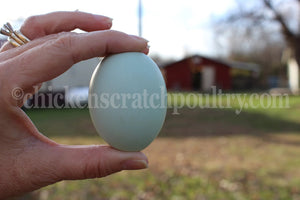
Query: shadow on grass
(217, 122)
(63, 122)
(190, 122)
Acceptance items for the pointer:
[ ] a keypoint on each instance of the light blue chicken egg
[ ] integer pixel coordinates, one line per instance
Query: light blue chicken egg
(128, 100)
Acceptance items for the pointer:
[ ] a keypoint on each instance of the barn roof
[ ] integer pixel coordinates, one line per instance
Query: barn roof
(233, 64)
(244, 65)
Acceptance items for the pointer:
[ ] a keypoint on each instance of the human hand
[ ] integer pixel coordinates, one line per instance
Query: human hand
(28, 159)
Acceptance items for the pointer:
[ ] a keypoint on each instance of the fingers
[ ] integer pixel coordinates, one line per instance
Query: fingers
(82, 162)
(54, 57)
(41, 25)
(17, 51)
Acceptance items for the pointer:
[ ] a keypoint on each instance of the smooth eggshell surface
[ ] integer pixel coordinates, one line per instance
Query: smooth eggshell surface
(127, 100)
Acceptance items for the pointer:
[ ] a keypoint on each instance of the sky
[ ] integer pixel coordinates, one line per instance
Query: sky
(173, 27)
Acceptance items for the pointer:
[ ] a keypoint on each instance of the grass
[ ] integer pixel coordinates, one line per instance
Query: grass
(200, 154)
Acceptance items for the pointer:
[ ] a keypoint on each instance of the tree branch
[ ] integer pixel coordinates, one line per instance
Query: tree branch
(285, 29)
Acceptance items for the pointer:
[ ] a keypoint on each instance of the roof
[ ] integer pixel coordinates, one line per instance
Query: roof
(244, 65)
(233, 64)
(193, 57)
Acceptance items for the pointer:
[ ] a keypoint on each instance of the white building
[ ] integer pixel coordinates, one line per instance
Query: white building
(78, 75)
(74, 83)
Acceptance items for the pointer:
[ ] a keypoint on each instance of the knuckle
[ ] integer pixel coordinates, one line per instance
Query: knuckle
(65, 40)
(101, 167)
(113, 39)
(64, 44)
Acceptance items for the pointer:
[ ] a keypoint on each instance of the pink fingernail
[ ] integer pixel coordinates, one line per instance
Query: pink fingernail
(134, 164)
(107, 21)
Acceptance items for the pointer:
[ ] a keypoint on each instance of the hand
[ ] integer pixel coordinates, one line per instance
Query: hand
(28, 159)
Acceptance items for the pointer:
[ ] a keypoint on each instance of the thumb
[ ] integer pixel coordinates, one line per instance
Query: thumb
(82, 162)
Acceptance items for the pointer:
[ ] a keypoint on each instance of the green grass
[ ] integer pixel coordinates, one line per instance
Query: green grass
(202, 153)
(265, 112)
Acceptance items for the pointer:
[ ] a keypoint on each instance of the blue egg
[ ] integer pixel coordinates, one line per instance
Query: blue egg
(128, 100)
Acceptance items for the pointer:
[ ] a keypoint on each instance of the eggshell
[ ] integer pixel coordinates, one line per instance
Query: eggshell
(128, 100)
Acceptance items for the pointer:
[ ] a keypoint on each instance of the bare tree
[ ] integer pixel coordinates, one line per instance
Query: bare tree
(261, 49)
(278, 16)
(292, 37)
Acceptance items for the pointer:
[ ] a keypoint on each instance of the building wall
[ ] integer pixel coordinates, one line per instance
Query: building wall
(222, 73)
(223, 78)
(179, 75)
(79, 75)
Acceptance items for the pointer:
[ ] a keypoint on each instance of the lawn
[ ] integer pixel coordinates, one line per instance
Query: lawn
(201, 153)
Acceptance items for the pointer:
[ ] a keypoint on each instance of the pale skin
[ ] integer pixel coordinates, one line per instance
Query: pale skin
(28, 159)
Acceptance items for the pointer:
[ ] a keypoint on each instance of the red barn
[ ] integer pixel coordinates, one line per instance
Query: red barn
(197, 73)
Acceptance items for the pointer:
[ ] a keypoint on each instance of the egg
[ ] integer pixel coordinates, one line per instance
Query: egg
(128, 100)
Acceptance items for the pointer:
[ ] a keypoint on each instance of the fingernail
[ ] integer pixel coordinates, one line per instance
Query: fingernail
(109, 23)
(134, 164)
(109, 20)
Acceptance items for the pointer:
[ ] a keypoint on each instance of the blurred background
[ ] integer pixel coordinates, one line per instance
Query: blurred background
(241, 47)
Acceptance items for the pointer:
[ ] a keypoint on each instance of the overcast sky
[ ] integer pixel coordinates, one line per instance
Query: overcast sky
(173, 27)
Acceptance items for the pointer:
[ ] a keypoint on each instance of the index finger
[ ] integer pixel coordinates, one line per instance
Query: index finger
(51, 59)
(55, 22)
